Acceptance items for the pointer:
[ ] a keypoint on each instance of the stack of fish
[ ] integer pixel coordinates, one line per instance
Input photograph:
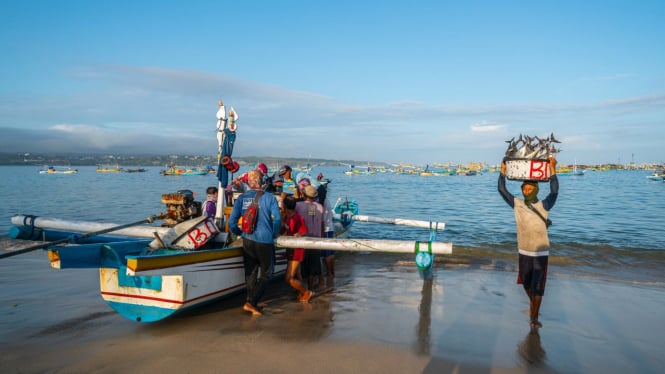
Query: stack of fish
(533, 148)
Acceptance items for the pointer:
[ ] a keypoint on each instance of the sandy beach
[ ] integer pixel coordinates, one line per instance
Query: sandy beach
(378, 317)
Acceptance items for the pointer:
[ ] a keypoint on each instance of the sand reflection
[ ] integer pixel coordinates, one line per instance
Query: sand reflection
(530, 350)
(423, 342)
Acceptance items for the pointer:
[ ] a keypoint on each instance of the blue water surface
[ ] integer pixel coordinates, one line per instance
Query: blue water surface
(607, 223)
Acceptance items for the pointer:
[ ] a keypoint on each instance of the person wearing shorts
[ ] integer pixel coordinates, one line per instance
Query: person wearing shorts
(294, 225)
(533, 244)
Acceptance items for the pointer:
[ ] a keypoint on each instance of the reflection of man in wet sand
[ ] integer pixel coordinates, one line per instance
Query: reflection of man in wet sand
(531, 351)
(533, 243)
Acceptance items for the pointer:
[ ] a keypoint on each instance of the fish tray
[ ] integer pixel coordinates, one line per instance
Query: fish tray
(527, 169)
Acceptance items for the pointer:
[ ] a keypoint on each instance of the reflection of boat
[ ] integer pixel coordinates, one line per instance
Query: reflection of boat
(58, 170)
(135, 170)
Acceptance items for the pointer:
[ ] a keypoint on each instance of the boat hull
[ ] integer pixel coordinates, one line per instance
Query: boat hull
(149, 294)
(149, 286)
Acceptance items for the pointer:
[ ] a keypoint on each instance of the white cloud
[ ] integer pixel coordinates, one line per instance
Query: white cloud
(488, 128)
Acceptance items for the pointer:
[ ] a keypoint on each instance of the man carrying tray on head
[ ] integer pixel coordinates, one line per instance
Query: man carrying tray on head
(532, 240)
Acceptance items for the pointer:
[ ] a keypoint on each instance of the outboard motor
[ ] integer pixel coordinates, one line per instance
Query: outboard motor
(180, 206)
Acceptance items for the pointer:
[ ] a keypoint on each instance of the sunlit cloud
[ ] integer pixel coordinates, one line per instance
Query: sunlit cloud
(487, 128)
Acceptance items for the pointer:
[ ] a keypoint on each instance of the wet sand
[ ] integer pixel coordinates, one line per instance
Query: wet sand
(378, 317)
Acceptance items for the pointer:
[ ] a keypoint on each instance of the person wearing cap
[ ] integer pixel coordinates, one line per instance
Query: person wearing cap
(533, 244)
(258, 250)
(288, 184)
(313, 214)
(263, 168)
(265, 179)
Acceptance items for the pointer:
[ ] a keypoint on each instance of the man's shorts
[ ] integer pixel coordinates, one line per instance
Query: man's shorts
(327, 252)
(533, 274)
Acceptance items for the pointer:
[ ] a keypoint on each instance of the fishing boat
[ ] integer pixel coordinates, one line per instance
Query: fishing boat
(147, 284)
(577, 172)
(183, 172)
(58, 170)
(657, 176)
(108, 169)
(563, 171)
(135, 170)
(149, 272)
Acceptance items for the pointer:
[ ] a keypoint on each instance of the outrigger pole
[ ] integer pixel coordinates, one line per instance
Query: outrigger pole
(397, 221)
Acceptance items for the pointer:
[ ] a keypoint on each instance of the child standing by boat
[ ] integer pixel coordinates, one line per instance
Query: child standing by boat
(210, 205)
(294, 225)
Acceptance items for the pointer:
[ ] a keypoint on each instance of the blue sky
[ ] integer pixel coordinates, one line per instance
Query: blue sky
(417, 81)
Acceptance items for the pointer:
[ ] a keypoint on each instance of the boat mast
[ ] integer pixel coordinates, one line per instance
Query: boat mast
(221, 190)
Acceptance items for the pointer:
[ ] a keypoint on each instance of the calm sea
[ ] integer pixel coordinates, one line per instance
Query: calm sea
(606, 224)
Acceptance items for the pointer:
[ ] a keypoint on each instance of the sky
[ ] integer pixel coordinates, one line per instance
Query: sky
(402, 82)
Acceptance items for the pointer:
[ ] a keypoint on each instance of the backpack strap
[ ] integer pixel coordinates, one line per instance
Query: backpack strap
(547, 221)
(257, 197)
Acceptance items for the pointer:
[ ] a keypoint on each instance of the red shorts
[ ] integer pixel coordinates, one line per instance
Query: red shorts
(297, 254)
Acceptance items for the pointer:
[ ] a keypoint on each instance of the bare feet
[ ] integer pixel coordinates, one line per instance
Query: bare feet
(306, 296)
(535, 324)
(252, 309)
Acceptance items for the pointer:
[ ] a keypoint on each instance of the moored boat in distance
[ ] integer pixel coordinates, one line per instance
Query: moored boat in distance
(108, 169)
(183, 172)
(135, 170)
(657, 176)
(58, 170)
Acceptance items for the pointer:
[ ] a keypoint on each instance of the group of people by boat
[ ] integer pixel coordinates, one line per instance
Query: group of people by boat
(287, 206)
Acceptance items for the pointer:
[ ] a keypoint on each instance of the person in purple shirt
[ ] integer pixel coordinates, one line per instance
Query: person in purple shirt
(210, 205)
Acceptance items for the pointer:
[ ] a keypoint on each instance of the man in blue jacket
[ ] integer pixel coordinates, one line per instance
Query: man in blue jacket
(258, 247)
(533, 243)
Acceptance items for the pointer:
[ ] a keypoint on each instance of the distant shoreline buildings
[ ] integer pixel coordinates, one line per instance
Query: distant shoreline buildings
(195, 160)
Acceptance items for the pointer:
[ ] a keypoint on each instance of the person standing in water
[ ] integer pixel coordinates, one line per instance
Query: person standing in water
(258, 250)
(533, 243)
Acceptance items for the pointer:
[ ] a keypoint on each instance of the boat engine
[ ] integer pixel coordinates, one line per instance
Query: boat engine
(180, 207)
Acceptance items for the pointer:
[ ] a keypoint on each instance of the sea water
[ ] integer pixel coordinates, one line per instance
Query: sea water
(605, 224)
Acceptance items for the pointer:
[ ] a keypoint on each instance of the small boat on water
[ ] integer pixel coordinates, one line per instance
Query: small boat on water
(657, 176)
(58, 170)
(576, 171)
(108, 169)
(135, 170)
(183, 172)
